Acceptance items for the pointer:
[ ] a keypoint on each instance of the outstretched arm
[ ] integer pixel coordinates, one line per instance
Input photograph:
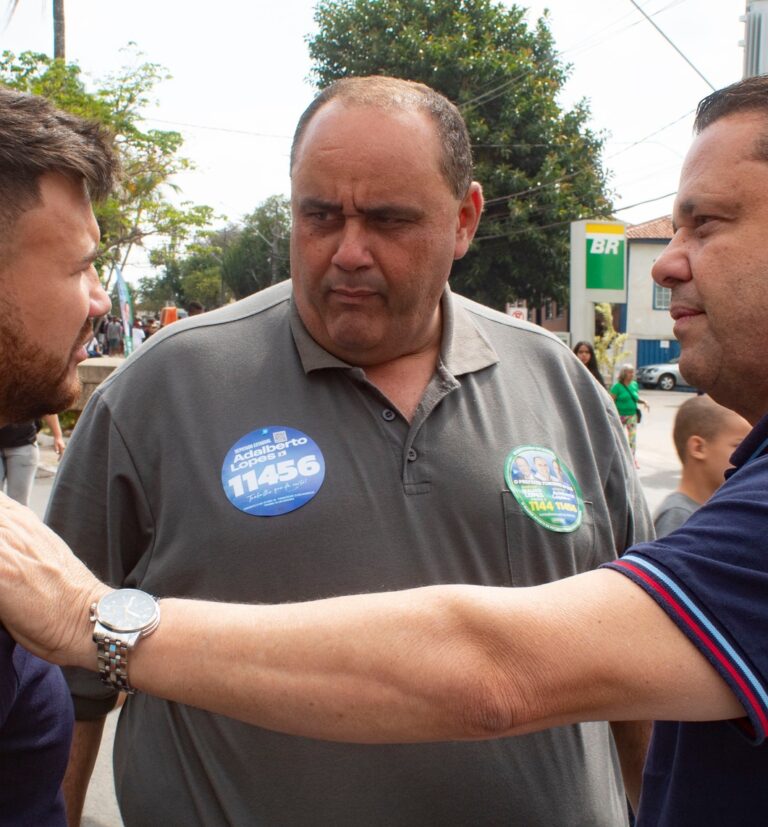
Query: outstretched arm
(438, 663)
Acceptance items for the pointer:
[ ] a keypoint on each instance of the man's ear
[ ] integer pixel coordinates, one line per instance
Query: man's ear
(468, 218)
(696, 447)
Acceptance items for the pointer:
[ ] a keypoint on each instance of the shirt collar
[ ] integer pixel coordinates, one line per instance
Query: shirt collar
(754, 444)
(464, 348)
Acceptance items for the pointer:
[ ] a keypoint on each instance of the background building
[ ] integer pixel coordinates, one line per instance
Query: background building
(645, 317)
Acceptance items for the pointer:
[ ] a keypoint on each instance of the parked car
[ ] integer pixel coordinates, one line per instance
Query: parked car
(665, 376)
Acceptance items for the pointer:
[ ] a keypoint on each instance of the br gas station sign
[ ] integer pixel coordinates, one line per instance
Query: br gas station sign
(598, 272)
(605, 252)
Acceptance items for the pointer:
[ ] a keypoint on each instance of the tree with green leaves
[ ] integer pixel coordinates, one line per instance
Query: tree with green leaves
(218, 265)
(259, 255)
(140, 208)
(540, 164)
(192, 273)
(609, 343)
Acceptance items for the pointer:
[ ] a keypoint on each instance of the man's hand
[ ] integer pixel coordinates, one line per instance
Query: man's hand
(45, 591)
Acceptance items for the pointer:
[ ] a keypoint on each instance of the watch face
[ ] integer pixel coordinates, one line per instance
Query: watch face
(127, 610)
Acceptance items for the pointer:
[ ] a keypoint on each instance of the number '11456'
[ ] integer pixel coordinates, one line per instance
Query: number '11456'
(274, 473)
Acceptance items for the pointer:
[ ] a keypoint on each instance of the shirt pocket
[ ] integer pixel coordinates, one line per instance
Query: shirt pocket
(537, 555)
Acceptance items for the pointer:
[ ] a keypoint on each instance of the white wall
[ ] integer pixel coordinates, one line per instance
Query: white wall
(643, 322)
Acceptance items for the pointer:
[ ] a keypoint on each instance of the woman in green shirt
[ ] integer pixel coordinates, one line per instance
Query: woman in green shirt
(626, 395)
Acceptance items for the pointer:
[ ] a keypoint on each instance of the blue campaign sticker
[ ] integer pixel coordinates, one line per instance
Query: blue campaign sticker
(272, 471)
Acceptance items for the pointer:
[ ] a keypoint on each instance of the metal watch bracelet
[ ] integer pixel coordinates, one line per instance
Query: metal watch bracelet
(112, 656)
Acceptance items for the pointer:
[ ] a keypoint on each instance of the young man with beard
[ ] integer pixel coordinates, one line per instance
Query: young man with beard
(51, 164)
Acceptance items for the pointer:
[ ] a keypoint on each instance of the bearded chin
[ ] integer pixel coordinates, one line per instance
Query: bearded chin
(37, 396)
(39, 401)
(35, 384)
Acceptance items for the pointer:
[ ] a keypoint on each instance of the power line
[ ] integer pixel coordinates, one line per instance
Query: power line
(494, 92)
(484, 97)
(672, 44)
(529, 229)
(219, 129)
(530, 190)
(652, 134)
(535, 229)
(647, 201)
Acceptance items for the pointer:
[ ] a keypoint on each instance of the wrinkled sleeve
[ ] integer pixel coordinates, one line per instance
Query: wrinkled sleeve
(711, 578)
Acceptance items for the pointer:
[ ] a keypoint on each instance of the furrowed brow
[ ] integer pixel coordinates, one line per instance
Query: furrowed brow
(393, 211)
(308, 204)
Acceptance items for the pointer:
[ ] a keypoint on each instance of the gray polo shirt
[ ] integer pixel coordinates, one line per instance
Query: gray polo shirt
(233, 459)
(674, 510)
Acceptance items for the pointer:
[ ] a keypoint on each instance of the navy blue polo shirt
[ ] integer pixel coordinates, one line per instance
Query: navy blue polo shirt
(711, 578)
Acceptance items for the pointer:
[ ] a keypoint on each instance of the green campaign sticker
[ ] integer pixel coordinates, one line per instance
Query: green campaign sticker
(545, 488)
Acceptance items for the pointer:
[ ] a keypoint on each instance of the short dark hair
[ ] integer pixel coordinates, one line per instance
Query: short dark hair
(395, 93)
(748, 95)
(700, 416)
(37, 138)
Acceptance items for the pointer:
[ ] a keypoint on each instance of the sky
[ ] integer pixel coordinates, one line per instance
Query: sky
(240, 79)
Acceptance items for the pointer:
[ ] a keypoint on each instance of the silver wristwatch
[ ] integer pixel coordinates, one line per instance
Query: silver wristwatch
(121, 619)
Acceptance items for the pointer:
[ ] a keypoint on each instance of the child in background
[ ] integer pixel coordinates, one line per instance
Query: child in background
(705, 435)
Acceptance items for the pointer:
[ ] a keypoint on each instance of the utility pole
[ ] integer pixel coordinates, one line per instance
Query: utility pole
(58, 29)
(756, 38)
(58, 25)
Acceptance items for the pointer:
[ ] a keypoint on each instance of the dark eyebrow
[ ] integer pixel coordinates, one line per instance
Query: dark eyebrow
(89, 258)
(310, 203)
(393, 211)
(402, 211)
(685, 208)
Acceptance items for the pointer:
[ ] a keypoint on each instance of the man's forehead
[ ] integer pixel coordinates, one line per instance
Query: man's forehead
(728, 141)
(63, 219)
(363, 123)
(719, 156)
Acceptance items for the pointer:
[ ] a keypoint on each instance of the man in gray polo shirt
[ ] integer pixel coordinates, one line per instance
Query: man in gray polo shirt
(358, 429)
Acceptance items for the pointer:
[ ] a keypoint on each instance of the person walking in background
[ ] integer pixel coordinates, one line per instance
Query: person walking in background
(114, 336)
(626, 395)
(101, 335)
(19, 455)
(587, 356)
(138, 334)
(150, 327)
(705, 435)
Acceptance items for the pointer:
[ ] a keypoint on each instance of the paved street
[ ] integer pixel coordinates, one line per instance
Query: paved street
(659, 474)
(659, 466)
